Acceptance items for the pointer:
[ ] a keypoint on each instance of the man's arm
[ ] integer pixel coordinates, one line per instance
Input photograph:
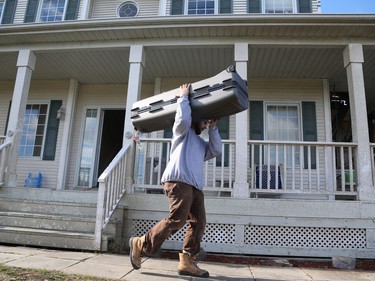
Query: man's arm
(214, 143)
(183, 114)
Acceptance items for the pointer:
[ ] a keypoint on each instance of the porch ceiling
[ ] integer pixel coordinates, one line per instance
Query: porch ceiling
(180, 47)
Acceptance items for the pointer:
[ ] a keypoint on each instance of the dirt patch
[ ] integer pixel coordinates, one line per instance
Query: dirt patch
(361, 264)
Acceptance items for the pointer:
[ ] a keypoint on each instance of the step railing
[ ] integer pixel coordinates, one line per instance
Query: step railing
(112, 187)
(4, 153)
(302, 167)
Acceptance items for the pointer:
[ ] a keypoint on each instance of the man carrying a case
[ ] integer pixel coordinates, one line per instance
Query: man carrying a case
(183, 184)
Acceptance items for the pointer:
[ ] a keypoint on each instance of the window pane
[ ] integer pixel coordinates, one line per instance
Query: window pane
(201, 7)
(33, 130)
(52, 10)
(278, 6)
(88, 148)
(282, 123)
(1, 7)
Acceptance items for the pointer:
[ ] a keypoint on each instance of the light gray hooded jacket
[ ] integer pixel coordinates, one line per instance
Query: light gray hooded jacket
(189, 151)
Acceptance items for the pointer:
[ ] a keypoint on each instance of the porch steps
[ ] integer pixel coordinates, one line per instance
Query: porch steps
(50, 238)
(50, 218)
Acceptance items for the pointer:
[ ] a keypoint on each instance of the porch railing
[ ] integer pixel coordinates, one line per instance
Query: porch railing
(153, 154)
(112, 186)
(4, 152)
(302, 167)
(274, 167)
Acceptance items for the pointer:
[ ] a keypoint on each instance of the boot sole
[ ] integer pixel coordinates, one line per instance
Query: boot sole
(186, 273)
(130, 254)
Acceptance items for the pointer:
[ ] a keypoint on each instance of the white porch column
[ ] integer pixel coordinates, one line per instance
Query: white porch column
(67, 131)
(137, 62)
(241, 186)
(25, 66)
(353, 60)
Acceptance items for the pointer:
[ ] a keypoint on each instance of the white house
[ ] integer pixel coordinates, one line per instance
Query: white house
(296, 177)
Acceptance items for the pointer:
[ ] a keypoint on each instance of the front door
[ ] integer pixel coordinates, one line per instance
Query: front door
(102, 140)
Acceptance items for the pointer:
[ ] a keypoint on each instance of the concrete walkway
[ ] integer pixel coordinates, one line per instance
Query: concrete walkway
(118, 267)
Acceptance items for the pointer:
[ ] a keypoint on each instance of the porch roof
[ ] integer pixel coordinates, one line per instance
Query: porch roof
(283, 46)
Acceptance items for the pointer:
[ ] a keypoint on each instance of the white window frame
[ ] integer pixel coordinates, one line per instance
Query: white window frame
(294, 11)
(216, 8)
(296, 104)
(300, 129)
(39, 14)
(127, 2)
(2, 10)
(44, 131)
(95, 145)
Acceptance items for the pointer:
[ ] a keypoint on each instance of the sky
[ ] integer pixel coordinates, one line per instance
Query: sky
(348, 6)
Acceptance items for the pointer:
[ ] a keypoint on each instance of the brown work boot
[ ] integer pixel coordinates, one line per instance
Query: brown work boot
(136, 251)
(188, 266)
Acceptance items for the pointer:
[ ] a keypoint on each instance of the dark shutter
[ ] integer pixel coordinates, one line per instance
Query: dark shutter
(225, 7)
(9, 10)
(256, 120)
(52, 130)
(223, 126)
(177, 7)
(309, 131)
(31, 10)
(255, 6)
(304, 6)
(72, 10)
(256, 125)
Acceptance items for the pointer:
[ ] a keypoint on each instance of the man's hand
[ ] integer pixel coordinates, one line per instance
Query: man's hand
(212, 123)
(184, 89)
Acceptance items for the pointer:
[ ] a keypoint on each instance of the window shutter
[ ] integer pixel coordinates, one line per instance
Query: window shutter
(256, 125)
(9, 10)
(309, 131)
(177, 7)
(225, 7)
(223, 126)
(72, 10)
(31, 10)
(52, 130)
(255, 6)
(256, 120)
(304, 6)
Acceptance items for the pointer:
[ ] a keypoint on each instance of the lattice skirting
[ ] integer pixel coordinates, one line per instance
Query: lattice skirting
(272, 236)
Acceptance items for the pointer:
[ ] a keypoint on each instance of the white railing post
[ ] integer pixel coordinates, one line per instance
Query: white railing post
(112, 183)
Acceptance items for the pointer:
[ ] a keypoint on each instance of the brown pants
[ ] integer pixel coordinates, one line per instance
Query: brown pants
(186, 204)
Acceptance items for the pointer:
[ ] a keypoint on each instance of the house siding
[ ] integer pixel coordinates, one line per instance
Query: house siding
(6, 93)
(291, 90)
(108, 9)
(44, 91)
(20, 11)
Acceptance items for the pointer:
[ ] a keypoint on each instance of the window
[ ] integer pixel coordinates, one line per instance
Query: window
(51, 10)
(87, 161)
(201, 7)
(128, 9)
(278, 6)
(1, 8)
(283, 123)
(33, 131)
(7, 11)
